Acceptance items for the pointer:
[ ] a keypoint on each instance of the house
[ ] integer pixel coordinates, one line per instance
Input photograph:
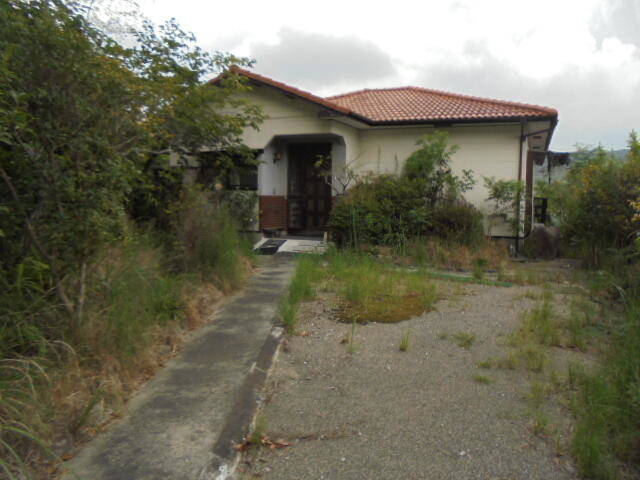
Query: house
(374, 130)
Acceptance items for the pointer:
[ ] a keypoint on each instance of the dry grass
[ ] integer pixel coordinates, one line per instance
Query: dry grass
(135, 318)
(493, 255)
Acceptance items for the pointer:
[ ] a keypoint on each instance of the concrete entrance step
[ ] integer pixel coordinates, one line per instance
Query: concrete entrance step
(271, 246)
(181, 425)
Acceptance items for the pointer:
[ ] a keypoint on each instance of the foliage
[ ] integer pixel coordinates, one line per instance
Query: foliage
(378, 209)
(595, 205)
(429, 167)
(505, 195)
(607, 405)
(423, 201)
(80, 129)
(86, 127)
(244, 205)
(459, 223)
(207, 240)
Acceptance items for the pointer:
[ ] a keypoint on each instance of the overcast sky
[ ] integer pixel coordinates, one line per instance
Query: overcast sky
(579, 56)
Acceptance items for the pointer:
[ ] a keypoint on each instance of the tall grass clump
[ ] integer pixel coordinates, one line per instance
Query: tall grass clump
(607, 406)
(207, 239)
(301, 289)
(134, 294)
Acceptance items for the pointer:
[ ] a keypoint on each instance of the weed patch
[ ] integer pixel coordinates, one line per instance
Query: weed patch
(483, 379)
(370, 291)
(463, 339)
(404, 342)
(607, 404)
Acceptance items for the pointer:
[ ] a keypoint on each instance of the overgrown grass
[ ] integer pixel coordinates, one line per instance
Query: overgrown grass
(61, 376)
(483, 255)
(607, 405)
(301, 289)
(373, 291)
(207, 241)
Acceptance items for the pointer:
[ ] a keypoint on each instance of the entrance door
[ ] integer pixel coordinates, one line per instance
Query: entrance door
(309, 193)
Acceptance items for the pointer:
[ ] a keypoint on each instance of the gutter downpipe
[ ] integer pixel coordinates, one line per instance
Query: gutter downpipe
(518, 214)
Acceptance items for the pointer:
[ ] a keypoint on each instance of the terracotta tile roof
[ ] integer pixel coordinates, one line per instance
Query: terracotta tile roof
(412, 104)
(415, 104)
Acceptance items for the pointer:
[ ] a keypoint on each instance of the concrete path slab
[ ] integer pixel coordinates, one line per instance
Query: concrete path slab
(180, 426)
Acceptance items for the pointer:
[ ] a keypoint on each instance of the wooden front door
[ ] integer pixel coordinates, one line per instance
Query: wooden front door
(309, 193)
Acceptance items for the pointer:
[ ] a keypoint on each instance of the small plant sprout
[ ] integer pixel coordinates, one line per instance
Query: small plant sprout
(464, 340)
(258, 432)
(486, 364)
(404, 342)
(483, 379)
(351, 346)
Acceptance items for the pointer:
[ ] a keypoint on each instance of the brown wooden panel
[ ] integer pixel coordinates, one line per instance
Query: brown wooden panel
(273, 212)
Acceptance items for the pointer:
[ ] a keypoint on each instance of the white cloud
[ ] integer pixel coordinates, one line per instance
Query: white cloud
(579, 56)
(314, 60)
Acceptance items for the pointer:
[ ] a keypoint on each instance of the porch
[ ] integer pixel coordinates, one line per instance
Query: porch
(296, 183)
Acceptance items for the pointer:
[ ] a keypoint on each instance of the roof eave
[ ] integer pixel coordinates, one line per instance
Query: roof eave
(286, 89)
(445, 121)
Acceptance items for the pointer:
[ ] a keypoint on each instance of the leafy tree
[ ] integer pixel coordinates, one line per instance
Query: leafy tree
(82, 121)
(505, 196)
(595, 204)
(429, 166)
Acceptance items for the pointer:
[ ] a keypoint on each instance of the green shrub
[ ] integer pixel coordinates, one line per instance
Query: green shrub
(390, 210)
(244, 205)
(595, 205)
(458, 222)
(376, 209)
(207, 240)
(423, 201)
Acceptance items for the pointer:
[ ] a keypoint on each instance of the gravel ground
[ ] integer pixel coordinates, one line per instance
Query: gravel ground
(380, 413)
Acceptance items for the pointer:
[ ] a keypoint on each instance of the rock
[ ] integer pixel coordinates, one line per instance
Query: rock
(543, 242)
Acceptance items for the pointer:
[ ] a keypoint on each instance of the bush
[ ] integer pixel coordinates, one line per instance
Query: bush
(243, 204)
(595, 205)
(389, 210)
(424, 200)
(459, 223)
(378, 209)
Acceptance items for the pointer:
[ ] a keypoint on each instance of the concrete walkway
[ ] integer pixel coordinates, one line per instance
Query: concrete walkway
(180, 426)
